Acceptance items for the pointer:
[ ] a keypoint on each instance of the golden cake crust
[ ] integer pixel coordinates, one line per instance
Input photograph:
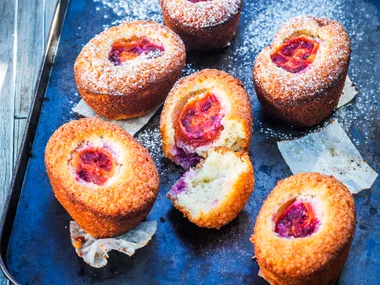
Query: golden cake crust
(233, 204)
(307, 97)
(316, 259)
(112, 208)
(199, 82)
(133, 89)
(204, 25)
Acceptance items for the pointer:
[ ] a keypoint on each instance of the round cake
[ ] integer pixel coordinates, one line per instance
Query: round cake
(213, 194)
(128, 70)
(203, 24)
(101, 175)
(304, 230)
(207, 109)
(299, 78)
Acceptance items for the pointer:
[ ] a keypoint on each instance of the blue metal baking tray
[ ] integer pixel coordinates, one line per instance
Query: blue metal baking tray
(35, 242)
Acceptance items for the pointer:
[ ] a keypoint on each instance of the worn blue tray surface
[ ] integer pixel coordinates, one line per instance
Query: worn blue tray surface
(40, 251)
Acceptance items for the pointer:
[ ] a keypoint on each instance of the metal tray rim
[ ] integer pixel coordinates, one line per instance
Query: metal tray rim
(11, 203)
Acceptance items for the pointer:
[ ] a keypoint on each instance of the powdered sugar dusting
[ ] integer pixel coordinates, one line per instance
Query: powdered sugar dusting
(260, 29)
(151, 140)
(202, 14)
(95, 73)
(328, 68)
(129, 10)
(189, 69)
(259, 22)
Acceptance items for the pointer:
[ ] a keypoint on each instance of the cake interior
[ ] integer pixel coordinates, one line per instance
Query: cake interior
(298, 218)
(202, 189)
(123, 50)
(296, 54)
(93, 164)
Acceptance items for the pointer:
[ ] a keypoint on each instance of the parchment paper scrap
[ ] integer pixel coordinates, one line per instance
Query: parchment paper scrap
(349, 92)
(329, 151)
(132, 126)
(95, 251)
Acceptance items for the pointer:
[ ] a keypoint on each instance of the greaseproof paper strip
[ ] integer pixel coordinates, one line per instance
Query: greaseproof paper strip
(329, 151)
(132, 126)
(95, 251)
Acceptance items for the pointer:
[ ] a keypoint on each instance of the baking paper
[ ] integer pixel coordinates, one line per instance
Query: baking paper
(132, 126)
(348, 93)
(329, 151)
(95, 251)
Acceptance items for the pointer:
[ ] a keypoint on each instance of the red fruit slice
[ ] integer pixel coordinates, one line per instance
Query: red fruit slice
(123, 50)
(200, 120)
(296, 54)
(298, 220)
(94, 165)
